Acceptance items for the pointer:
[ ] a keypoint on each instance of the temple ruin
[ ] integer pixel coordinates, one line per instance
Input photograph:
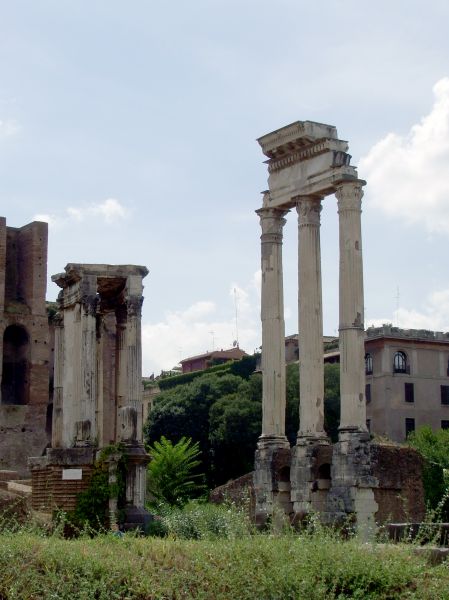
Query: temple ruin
(307, 162)
(25, 349)
(97, 385)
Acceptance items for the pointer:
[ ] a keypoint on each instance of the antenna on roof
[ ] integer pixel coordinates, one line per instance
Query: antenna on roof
(236, 341)
(397, 306)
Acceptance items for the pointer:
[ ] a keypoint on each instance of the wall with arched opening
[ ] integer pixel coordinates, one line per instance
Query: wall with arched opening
(15, 384)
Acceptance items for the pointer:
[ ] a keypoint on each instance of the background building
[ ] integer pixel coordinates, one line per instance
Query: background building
(25, 354)
(407, 380)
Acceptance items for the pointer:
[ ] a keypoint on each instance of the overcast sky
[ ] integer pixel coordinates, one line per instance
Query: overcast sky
(130, 127)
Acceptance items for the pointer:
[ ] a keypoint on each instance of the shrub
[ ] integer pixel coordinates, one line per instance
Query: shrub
(171, 476)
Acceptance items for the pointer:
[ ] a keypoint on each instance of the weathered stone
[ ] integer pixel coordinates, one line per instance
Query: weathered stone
(98, 381)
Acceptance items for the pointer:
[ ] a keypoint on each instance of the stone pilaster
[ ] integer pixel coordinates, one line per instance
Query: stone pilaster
(134, 359)
(352, 352)
(311, 366)
(273, 330)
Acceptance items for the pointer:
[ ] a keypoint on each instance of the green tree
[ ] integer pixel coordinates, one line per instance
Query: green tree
(434, 448)
(183, 411)
(171, 476)
(235, 423)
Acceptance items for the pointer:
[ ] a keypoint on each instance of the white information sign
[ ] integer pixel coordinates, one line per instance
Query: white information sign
(72, 474)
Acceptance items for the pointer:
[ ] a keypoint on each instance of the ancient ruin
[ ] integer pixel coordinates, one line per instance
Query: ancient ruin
(25, 350)
(307, 162)
(97, 385)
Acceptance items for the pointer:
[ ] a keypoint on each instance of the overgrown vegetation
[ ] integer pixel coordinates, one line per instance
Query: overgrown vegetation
(222, 412)
(319, 566)
(434, 448)
(92, 505)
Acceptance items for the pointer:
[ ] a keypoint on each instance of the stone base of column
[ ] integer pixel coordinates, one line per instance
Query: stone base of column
(351, 496)
(136, 517)
(272, 480)
(310, 476)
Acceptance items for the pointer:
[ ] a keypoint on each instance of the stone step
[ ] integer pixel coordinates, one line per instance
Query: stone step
(24, 489)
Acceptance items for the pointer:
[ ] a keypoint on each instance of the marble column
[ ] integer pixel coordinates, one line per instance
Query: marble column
(273, 330)
(57, 420)
(352, 350)
(86, 428)
(129, 369)
(134, 358)
(311, 367)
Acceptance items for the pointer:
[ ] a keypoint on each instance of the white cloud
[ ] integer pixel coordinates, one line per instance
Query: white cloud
(110, 211)
(407, 175)
(8, 128)
(434, 316)
(199, 329)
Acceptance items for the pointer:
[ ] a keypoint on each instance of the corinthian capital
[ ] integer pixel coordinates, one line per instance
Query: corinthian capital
(309, 209)
(349, 195)
(272, 222)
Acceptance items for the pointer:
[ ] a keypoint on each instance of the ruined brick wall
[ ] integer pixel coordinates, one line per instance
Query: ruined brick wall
(400, 495)
(23, 278)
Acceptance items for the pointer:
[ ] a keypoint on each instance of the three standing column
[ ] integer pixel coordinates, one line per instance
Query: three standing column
(273, 329)
(352, 349)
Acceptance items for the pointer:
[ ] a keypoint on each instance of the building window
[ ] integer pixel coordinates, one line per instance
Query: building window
(368, 364)
(368, 392)
(409, 426)
(444, 424)
(445, 394)
(409, 391)
(400, 363)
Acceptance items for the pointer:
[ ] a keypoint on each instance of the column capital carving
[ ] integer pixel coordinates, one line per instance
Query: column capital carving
(272, 222)
(308, 209)
(134, 306)
(349, 195)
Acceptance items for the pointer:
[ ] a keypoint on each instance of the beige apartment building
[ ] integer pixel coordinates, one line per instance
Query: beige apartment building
(407, 380)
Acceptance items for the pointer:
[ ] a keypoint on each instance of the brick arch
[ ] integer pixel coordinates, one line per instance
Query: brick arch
(15, 383)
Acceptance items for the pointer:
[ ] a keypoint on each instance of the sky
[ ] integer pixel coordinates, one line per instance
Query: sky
(131, 129)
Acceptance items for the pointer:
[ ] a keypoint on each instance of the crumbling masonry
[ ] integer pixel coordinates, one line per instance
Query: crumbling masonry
(25, 353)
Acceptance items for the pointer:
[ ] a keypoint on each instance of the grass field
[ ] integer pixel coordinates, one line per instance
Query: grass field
(309, 566)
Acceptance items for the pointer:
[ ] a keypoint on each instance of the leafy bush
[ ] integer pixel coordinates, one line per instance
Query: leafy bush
(171, 476)
(434, 448)
(201, 521)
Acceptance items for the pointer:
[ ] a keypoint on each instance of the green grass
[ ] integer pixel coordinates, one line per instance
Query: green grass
(308, 566)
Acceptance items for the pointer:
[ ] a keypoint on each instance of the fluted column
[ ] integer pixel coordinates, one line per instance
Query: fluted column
(86, 429)
(58, 378)
(352, 371)
(311, 367)
(273, 329)
(134, 358)
(129, 369)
